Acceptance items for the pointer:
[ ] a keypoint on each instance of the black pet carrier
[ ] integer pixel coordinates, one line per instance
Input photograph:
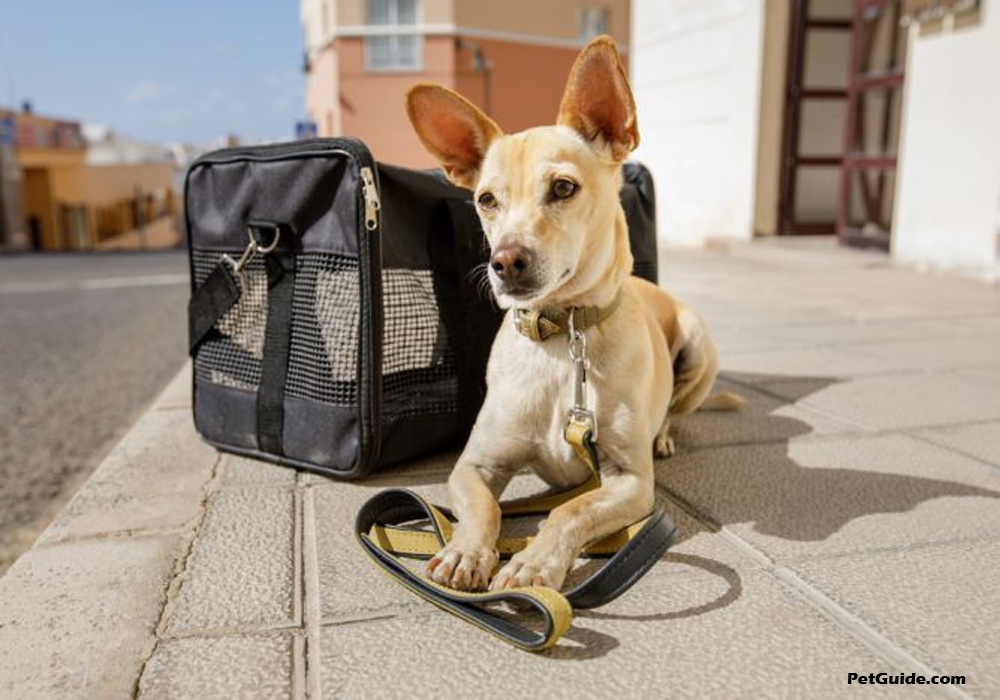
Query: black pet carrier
(337, 322)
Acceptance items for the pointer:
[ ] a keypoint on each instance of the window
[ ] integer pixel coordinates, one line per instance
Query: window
(390, 46)
(591, 22)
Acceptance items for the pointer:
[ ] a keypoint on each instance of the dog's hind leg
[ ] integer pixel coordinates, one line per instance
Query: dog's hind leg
(694, 374)
(696, 365)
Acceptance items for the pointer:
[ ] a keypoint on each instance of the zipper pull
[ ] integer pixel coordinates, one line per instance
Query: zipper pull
(372, 203)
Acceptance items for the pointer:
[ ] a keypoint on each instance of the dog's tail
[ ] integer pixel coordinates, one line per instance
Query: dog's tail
(723, 401)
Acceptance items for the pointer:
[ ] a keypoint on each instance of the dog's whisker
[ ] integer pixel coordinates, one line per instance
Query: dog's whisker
(479, 278)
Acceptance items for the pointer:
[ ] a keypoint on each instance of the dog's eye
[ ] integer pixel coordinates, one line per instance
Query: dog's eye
(563, 188)
(487, 200)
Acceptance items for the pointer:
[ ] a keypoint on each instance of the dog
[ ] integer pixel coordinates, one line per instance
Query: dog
(548, 199)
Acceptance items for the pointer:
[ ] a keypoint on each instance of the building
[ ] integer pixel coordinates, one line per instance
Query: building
(59, 191)
(874, 120)
(511, 58)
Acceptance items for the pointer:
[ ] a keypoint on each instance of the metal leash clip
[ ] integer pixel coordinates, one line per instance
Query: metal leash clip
(253, 249)
(578, 355)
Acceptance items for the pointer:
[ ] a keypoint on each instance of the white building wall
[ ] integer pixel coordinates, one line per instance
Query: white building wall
(696, 73)
(948, 196)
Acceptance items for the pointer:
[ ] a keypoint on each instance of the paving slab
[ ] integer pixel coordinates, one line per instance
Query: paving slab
(428, 465)
(78, 619)
(763, 418)
(700, 636)
(820, 332)
(237, 472)
(241, 571)
(152, 480)
(980, 440)
(939, 602)
(910, 400)
(241, 666)
(839, 333)
(822, 361)
(349, 584)
(827, 496)
(946, 351)
(988, 377)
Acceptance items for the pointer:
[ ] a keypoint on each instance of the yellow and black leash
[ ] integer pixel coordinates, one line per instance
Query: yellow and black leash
(385, 528)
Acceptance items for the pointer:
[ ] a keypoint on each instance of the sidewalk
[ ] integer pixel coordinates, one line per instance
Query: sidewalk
(846, 521)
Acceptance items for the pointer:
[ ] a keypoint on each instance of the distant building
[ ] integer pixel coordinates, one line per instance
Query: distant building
(511, 58)
(60, 190)
(874, 120)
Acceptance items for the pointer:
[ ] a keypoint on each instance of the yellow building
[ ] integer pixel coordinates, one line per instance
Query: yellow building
(53, 198)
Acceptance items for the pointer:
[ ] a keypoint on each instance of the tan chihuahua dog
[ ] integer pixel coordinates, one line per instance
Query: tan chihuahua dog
(549, 203)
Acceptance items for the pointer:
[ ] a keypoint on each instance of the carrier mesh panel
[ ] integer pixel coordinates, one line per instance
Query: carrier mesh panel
(418, 367)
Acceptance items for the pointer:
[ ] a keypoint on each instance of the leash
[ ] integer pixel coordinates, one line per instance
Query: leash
(387, 528)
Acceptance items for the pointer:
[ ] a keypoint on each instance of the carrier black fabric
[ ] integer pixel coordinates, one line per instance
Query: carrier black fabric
(345, 349)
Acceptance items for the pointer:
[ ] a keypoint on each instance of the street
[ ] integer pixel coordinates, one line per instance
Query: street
(86, 342)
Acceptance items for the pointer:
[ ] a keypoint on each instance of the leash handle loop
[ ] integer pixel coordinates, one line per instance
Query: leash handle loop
(389, 511)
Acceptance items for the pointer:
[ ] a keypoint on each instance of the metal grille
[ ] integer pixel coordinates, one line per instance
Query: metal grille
(418, 367)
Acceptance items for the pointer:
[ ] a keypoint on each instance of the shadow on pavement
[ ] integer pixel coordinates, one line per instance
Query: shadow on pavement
(735, 468)
(763, 485)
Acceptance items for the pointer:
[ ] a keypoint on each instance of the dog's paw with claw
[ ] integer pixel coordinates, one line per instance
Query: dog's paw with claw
(463, 568)
(523, 571)
(663, 446)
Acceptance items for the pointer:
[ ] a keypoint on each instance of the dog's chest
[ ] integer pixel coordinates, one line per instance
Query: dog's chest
(535, 385)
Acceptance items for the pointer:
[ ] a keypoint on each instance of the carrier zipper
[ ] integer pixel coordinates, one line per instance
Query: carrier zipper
(372, 203)
(370, 248)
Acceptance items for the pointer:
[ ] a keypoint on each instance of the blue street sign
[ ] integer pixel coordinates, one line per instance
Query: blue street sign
(306, 130)
(8, 132)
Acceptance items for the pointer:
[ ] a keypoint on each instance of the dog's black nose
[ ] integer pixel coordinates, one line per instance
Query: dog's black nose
(510, 262)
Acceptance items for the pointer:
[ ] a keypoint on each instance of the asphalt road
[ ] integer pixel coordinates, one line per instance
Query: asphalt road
(86, 342)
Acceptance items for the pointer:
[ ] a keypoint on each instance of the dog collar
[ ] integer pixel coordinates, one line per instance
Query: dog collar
(541, 324)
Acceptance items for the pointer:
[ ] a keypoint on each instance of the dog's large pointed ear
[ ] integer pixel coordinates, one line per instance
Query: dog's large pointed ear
(452, 129)
(598, 101)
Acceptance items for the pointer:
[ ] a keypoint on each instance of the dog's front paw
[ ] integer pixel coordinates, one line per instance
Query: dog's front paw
(525, 571)
(463, 568)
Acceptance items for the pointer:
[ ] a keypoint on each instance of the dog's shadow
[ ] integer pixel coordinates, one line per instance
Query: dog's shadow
(735, 469)
(736, 480)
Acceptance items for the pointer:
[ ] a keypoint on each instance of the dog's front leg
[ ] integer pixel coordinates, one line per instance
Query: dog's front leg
(468, 560)
(622, 499)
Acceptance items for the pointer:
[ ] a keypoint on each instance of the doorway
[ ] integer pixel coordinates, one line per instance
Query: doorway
(38, 209)
(844, 75)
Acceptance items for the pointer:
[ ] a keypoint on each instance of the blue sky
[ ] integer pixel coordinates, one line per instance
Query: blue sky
(164, 71)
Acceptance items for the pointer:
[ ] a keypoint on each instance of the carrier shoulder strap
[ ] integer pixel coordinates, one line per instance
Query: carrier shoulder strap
(209, 302)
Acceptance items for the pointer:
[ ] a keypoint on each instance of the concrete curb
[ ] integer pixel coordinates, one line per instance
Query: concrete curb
(80, 608)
